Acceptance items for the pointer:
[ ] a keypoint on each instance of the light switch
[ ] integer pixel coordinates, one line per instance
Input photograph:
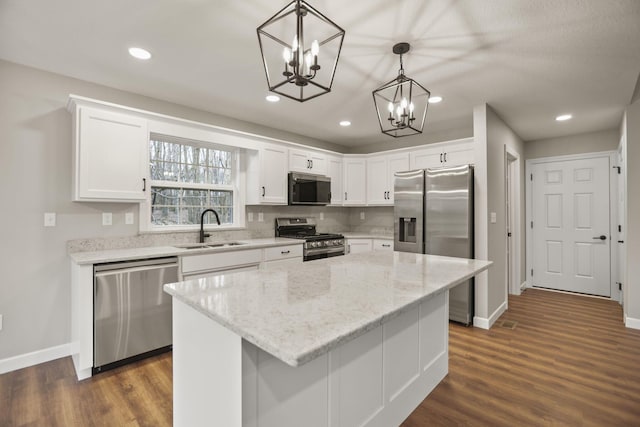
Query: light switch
(362, 215)
(493, 218)
(128, 218)
(260, 216)
(49, 219)
(250, 217)
(321, 216)
(107, 218)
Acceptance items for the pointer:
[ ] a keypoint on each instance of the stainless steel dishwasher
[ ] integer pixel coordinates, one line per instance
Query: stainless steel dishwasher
(131, 313)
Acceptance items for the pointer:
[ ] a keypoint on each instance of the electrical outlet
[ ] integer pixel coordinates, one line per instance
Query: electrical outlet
(49, 219)
(128, 218)
(260, 216)
(250, 217)
(493, 218)
(362, 215)
(321, 216)
(107, 218)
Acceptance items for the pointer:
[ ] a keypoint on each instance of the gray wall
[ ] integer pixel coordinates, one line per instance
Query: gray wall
(35, 177)
(591, 142)
(632, 288)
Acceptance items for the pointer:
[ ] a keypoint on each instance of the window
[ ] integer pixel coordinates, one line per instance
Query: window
(188, 177)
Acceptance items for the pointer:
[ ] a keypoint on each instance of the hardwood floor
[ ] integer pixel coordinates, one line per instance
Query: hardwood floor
(568, 361)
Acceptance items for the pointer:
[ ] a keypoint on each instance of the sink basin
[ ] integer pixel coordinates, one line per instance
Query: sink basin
(210, 245)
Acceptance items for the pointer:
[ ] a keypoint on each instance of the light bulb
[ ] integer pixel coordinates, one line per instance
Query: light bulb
(399, 112)
(286, 55)
(308, 60)
(390, 107)
(411, 107)
(315, 48)
(294, 45)
(403, 103)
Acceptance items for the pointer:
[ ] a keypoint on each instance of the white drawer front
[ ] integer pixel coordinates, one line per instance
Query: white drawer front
(282, 252)
(382, 245)
(220, 260)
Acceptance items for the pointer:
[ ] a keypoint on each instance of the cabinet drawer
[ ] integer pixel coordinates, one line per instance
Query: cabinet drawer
(382, 245)
(282, 252)
(220, 260)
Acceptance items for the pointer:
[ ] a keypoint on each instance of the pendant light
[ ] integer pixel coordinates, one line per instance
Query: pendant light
(300, 48)
(402, 103)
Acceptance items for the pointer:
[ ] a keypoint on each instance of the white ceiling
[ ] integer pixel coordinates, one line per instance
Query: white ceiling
(529, 59)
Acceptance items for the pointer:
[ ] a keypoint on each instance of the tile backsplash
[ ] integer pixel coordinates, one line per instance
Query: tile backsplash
(377, 220)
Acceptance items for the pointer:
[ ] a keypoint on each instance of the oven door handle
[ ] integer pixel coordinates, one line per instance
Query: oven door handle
(333, 250)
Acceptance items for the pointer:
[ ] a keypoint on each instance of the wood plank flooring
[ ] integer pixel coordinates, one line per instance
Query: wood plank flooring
(568, 361)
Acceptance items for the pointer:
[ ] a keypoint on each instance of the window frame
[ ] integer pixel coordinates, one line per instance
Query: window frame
(238, 220)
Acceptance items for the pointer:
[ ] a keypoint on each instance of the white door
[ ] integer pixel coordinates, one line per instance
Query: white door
(570, 213)
(621, 229)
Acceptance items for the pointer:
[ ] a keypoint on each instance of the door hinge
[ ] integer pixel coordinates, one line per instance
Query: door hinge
(532, 272)
(619, 229)
(531, 224)
(619, 286)
(531, 177)
(619, 169)
(509, 234)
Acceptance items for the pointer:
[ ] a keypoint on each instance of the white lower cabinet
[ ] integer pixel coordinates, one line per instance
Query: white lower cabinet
(382, 245)
(281, 255)
(356, 246)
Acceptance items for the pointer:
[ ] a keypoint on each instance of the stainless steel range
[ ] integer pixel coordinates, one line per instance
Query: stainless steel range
(316, 245)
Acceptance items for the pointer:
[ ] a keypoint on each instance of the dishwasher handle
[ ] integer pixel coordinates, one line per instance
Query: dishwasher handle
(133, 269)
(130, 265)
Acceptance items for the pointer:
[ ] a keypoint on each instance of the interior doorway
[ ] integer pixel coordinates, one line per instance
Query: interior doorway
(512, 198)
(569, 223)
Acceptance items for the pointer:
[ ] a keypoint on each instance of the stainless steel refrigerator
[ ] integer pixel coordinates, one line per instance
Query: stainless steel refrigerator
(433, 214)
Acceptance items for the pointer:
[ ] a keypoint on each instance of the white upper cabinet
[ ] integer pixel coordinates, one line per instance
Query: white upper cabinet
(447, 154)
(267, 175)
(307, 161)
(110, 155)
(355, 185)
(335, 171)
(380, 176)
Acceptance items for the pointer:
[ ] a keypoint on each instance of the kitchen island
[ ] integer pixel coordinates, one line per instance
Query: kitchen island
(346, 341)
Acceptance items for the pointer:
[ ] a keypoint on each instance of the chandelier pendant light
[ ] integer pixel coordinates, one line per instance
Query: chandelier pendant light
(402, 103)
(300, 48)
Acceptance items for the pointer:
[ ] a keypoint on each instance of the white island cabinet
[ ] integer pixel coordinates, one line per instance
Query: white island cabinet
(344, 341)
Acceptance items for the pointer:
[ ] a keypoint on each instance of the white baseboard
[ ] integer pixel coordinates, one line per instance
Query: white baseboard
(523, 286)
(632, 323)
(484, 323)
(34, 358)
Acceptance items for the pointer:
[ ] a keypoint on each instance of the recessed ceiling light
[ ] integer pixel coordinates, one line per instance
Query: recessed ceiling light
(345, 123)
(140, 53)
(564, 117)
(272, 98)
(434, 99)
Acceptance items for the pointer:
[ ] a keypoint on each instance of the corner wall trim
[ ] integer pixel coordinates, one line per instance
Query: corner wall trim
(484, 323)
(632, 323)
(34, 358)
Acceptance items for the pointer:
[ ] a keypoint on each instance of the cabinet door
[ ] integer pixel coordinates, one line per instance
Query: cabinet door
(111, 156)
(334, 171)
(459, 154)
(426, 158)
(299, 161)
(377, 181)
(354, 181)
(357, 246)
(396, 163)
(318, 163)
(273, 174)
(382, 245)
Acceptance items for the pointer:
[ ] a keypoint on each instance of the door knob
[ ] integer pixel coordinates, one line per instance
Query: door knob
(603, 237)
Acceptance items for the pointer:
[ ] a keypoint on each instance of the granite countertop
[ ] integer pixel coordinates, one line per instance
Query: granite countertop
(299, 312)
(125, 254)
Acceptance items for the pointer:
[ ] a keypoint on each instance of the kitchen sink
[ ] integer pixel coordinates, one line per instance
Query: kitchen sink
(210, 245)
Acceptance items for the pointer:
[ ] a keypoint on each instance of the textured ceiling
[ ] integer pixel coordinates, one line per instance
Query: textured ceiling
(529, 60)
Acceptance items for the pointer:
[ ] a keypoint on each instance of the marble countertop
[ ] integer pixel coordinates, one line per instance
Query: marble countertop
(125, 254)
(353, 235)
(299, 312)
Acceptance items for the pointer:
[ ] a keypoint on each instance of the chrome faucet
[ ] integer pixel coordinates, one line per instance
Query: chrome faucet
(202, 233)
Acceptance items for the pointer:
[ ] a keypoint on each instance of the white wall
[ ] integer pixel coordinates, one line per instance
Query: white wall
(35, 177)
(590, 142)
(632, 242)
(492, 135)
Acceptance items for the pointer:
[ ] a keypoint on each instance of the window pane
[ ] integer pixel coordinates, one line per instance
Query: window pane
(164, 206)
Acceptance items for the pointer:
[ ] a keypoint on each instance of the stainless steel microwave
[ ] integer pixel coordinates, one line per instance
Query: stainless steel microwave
(305, 189)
